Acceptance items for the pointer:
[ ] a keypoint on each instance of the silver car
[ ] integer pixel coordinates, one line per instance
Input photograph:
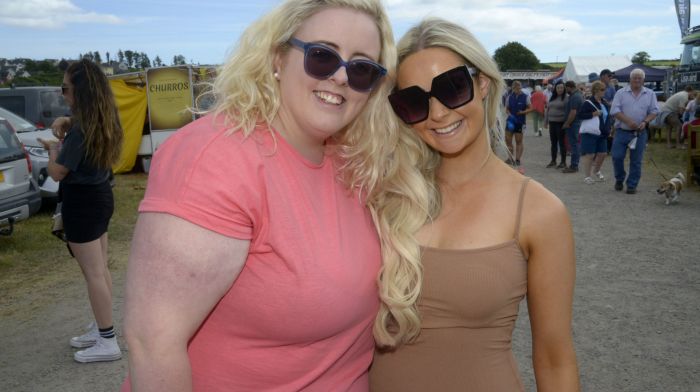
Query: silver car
(19, 194)
(39, 157)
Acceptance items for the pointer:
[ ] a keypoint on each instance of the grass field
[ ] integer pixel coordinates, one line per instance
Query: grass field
(32, 257)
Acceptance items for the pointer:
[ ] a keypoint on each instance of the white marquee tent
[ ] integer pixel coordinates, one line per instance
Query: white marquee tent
(578, 68)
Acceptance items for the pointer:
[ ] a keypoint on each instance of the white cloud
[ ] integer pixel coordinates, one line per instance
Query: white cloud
(49, 14)
(495, 26)
(551, 29)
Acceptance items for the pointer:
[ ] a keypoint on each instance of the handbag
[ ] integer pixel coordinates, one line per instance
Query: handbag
(57, 224)
(591, 125)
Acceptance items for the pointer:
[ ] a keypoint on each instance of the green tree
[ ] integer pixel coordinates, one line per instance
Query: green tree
(514, 55)
(641, 57)
(120, 56)
(157, 62)
(96, 57)
(63, 65)
(40, 67)
(129, 55)
(179, 60)
(145, 61)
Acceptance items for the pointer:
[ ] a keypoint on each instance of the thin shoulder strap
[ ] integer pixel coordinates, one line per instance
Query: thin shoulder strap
(519, 213)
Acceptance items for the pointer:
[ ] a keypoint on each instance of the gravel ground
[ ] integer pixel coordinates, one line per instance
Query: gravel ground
(636, 306)
(637, 298)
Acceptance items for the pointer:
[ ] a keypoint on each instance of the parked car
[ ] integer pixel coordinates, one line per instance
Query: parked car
(19, 194)
(39, 157)
(40, 105)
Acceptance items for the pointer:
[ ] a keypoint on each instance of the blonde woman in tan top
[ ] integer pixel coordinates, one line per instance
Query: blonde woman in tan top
(488, 238)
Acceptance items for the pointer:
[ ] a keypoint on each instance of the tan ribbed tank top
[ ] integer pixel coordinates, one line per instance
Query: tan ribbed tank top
(468, 305)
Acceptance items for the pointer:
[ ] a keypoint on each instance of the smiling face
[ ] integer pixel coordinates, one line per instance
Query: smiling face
(449, 131)
(311, 110)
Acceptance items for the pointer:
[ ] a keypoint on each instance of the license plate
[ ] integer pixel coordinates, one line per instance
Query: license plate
(2, 176)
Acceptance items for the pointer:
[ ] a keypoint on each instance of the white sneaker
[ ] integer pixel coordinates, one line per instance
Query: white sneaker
(599, 176)
(103, 350)
(589, 180)
(87, 339)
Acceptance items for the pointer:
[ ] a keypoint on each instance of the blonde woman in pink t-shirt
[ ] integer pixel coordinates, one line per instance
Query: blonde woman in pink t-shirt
(254, 260)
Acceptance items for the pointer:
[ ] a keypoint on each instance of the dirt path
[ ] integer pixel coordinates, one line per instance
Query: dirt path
(636, 310)
(637, 298)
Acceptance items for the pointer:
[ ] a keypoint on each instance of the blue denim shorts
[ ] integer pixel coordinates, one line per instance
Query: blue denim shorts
(592, 144)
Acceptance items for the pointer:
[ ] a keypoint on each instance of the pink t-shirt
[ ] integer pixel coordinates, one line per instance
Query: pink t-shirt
(300, 314)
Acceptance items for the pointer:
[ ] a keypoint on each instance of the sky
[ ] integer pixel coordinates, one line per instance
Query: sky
(205, 31)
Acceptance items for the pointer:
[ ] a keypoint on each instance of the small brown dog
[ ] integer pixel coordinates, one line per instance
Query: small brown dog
(672, 188)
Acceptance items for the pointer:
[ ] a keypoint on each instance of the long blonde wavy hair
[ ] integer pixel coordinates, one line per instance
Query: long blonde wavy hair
(95, 110)
(247, 94)
(410, 195)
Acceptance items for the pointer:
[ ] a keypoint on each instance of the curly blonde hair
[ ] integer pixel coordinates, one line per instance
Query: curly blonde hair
(410, 195)
(247, 93)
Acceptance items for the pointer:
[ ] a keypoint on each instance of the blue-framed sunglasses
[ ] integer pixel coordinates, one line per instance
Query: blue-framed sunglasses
(321, 62)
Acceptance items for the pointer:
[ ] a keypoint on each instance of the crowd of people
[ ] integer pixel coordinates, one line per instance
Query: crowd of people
(589, 121)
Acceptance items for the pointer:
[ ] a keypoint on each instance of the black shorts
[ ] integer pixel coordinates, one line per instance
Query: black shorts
(86, 210)
(517, 128)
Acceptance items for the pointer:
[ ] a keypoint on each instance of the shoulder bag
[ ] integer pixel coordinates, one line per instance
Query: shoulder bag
(591, 125)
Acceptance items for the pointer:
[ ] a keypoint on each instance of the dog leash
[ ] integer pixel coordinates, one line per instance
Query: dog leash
(657, 167)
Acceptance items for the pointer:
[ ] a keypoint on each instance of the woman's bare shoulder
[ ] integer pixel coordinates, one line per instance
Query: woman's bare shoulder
(542, 203)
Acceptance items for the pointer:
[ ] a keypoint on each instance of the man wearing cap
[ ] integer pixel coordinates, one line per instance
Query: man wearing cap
(606, 77)
(633, 107)
(572, 124)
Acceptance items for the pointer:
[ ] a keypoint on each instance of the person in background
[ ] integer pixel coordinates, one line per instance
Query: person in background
(606, 77)
(254, 259)
(84, 166)
(671, 113)
(594, 147)
(584, 88)
(633, 108)
(489, 236)
(517, 107)
(549, 91)
(572, 124)
(615, 84)
(695, 120)
(554, 116)
(689, 114)
(538, 101)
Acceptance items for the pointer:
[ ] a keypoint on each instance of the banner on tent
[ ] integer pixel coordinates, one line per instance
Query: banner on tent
(526, 75)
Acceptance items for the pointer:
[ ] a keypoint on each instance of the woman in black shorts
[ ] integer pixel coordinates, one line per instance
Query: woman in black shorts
(82, 162)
